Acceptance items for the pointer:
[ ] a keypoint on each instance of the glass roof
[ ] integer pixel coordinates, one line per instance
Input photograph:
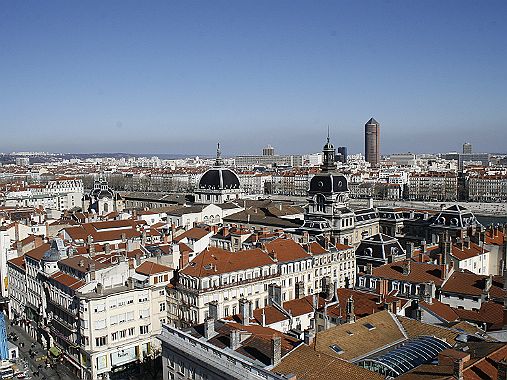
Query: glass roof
(410, 355)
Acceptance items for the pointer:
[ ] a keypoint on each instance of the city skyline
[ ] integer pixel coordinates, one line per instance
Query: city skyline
(175, 78)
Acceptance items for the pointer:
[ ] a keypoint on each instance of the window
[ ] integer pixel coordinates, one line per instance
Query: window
(143, 329)
(123, 333)
(100, 324)
(114, 336)
(100, 307)
(162, 306)
(101, 341)
(131, 331)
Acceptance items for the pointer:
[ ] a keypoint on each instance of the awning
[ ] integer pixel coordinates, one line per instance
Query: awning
(55, 351)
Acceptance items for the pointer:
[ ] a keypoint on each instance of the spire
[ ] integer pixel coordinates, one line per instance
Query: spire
(218, 160)
(328, 163)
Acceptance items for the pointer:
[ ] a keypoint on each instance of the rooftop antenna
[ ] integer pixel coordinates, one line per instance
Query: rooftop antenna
(218, 161)
(328, 133)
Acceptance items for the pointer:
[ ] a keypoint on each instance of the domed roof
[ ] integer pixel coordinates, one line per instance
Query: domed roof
(55, 251)
(328, 146)
(328, 183)
(219, 179)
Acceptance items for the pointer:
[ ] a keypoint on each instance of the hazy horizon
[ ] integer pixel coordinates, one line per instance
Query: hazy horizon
(179, 76)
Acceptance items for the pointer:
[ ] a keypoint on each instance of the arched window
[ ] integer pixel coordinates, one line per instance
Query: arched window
(321, 203)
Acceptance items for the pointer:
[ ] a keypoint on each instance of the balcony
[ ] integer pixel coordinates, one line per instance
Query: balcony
(228, 285)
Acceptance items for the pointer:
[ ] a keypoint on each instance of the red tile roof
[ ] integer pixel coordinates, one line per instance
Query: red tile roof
(215, 260)
(419, 272)
(195, 233)
(38, 252)
(149, 268)
(67, 280)
(471, 284)
(463, 253)
(19, 262)
(286, 250)
(441, 310)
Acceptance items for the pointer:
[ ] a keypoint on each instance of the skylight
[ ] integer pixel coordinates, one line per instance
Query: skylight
(369, 326)
(336, 348)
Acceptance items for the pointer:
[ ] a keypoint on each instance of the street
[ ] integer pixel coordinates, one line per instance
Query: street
(36, 363)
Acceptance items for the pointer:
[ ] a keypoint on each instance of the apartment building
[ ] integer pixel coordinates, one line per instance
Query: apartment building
(100, 313)
(282, 266)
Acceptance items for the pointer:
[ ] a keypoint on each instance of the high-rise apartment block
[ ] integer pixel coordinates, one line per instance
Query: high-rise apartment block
(268, 151)
(467, 148)
(372, 142)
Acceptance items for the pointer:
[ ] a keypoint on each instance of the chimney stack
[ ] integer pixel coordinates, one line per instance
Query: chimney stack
(244, 310)
(276, 350)
(424, 246)
(350, 314)
(235, 339)
(300, 289)
(409, 251)
(406, 267)
(209, 328)
(309, 335)
(213, 310)
(274, 294)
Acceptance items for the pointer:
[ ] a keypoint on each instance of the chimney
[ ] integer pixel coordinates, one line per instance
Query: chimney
(100, 288)
(300, 289)
(370, 202)
(184, 259)
(143, 237)
(107, 248)
(409, 251)
(244, 311)
(209, 328)
(382, 287)
(306, 237)
(369, 268)
(455, 358)
(467, 242)
(327, 242)
(457, 368)
(276, 350)
(424, 246)
(444, 270)
(350, 315)
(213, 310)
(273, 255)
(309, 335)
(19, 248)
(234, 339)
(406, 267)
(130, 283)
(274, 294)
(488, 282)
(326, 287)
(124, 237)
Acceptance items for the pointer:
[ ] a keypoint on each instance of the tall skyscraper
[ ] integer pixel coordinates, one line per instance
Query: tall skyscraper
(372, 142)
(467, 148)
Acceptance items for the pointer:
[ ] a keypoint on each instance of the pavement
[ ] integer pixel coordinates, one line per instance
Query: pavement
(30, 364)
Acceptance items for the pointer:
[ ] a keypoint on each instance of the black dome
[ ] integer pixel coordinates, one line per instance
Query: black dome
(328, 183)
(219, 179)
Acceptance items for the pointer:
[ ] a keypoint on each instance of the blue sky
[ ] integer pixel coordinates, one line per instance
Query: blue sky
(175, 77)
